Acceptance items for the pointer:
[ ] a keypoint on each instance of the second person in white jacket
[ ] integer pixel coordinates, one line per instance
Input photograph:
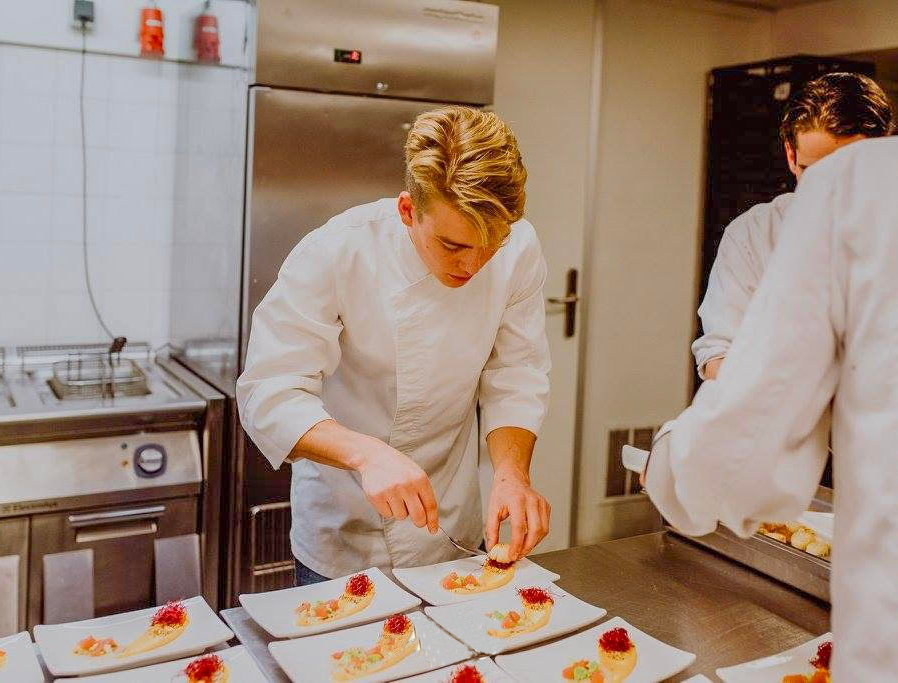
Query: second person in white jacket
(830, 112)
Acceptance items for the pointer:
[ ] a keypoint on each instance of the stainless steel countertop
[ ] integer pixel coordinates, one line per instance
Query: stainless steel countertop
(670, 588)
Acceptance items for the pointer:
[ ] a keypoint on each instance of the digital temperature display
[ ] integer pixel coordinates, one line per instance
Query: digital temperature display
(348, 56)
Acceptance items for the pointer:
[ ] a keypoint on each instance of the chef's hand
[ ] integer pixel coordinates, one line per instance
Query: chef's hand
(514, 499)
(396, 486)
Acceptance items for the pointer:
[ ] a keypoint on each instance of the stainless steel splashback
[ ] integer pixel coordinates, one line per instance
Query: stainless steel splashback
(437, 50)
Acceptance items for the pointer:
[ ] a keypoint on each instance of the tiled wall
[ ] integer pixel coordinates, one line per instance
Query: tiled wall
(164, 144)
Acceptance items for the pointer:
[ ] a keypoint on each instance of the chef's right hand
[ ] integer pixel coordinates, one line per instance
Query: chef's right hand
(397, 487)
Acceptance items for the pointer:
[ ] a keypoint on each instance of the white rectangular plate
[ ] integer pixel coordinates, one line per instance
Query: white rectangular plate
(21, 663)
(56, 642)
(794, 661)
(425, 581)
(655, 660)
(309, 659)
(470, 621)
(486, 666)
(274, 611)
(241, 667)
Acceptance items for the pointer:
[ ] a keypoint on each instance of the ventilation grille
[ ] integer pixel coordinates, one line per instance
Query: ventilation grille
(620, 481)
(272, 560)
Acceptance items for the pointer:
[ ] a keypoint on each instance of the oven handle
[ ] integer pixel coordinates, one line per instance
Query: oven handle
(116, 516)
(107, 533)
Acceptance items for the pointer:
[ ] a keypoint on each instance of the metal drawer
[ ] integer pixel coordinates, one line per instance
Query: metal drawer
(121, 538)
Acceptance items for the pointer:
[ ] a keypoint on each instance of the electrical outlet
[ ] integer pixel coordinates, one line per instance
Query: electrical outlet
(83, 13)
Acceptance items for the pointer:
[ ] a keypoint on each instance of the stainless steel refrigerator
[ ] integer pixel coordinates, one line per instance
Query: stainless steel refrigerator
(333, 89)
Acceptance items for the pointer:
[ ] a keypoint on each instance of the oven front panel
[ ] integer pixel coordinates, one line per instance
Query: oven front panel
(121, 538)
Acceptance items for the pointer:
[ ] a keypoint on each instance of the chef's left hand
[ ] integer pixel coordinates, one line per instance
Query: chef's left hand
(514, 499)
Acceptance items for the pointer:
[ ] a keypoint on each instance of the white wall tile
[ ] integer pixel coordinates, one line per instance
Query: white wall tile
(25, 169)
(24, 316)
(24, 218)
(66, 221)
(132, 125)
(27, 118)
(68, 171)
(67, 121)
(71, 320)
(28, 70)
(66, 268)
(142, 182)
(23, 268)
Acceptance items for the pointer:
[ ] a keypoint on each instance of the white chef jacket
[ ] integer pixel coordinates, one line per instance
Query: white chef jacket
(822, 326)
(357, 329)
(740, 263)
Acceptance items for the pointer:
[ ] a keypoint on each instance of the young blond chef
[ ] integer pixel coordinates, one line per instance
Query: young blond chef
(385, 329)
(830, 112)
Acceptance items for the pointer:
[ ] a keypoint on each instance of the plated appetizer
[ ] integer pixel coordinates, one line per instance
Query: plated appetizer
(2, 658)
(584, 670)
(617, 659)
(166, 625)
(617, 654)
(397, 641)
(95, 647)
(497, 571)
(820, 662)
(798, 536)
(466, 673)
(357, 595)
(537, 608)
(207, 669)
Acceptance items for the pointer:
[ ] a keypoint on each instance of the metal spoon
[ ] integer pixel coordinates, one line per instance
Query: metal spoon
(463, 548)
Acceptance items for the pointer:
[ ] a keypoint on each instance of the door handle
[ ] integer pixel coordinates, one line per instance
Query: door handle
(563, 299)
(116, 516)
(118, 531)
(569, 301)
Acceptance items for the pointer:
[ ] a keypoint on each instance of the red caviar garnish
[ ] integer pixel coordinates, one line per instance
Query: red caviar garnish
(204, 668)
(824, 654)
(397, 624)
(616, 640)
(467, 674)
(359, 585)
(173, 614)
(535, 596)
(498, 565)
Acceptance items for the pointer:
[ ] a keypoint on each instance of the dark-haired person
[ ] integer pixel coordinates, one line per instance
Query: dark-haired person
(830, 112)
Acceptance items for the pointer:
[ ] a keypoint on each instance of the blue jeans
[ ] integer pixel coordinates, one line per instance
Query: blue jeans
(303, 576)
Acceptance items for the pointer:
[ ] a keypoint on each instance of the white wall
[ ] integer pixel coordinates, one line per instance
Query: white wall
(144, 119)
(836, 27)
(48, 23)
(644, 254)
(543, 86)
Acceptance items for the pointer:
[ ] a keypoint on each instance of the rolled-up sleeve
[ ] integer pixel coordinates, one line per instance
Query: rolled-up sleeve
(753, 444)
(731, 285)
(293, 346)
(514, 384)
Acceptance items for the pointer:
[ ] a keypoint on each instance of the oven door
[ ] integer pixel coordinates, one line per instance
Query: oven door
(121, 538)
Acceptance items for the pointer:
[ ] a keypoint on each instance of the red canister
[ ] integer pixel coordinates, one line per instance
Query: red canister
(152, 33)
(206, 39)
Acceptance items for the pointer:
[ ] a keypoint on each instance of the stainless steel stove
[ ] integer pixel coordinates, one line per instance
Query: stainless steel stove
(102, 457)
(39, 382)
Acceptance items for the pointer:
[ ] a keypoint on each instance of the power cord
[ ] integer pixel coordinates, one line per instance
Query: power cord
(118, 343)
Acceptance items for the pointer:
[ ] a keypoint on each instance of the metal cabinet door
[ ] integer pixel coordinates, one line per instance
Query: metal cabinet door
(440, 50)
(123, 550)
(13, 542)
(311, 156)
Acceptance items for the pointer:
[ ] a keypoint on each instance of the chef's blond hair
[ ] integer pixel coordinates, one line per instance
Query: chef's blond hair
(470, 159)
